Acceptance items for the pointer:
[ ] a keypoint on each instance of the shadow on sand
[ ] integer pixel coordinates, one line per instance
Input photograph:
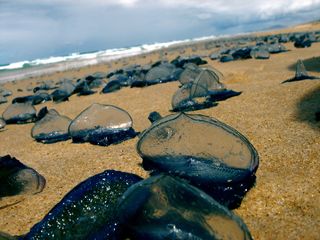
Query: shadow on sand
(311, 64)
(308, 108)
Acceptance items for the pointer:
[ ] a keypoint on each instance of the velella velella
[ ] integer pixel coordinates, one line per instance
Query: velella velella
(5, 92)
(17, 178)
(82, 89)
(185, 99)
(260, 53)
(51, 128)
(241, 53)
(2, 123)
(5, 236)
(37, 98)
(19, 113)
(189, 74)
(160, 74)
(276, 48)
(181, 61)
(226, 58)
(45, 85)
(222, 94)
(3, 99)
(123, 78)
(154, 116)
(88, 211)
(102, 125)
(301, 73)
(63, 92)
(112, 86)
(302, 42)
(163, 207)
(207, 86)
(208, 80)
(210, 154)
(188, 97)
(25, 99)
(216, 91)
(42, 112)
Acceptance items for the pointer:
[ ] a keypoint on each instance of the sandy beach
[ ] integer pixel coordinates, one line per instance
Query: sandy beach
(278, 119)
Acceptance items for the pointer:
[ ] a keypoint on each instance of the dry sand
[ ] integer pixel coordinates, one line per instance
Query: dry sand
(279, 120)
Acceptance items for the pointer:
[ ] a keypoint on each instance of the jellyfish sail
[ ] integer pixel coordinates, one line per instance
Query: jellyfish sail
(190, 97)
(102, 125)
(210, 154)
(301, 73)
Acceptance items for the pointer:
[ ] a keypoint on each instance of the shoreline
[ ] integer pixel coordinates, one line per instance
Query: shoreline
(75, 62)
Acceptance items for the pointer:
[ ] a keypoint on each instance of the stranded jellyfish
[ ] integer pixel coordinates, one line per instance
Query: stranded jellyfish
(208, 153)
(102, 125)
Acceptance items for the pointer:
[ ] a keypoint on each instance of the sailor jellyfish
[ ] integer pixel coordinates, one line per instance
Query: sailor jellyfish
(208, 153)
(102, 125)
(19, 113)
(301, 73)
(88, 211)
(201, 92)
(51, 128)
(163, 207)
(17, 178)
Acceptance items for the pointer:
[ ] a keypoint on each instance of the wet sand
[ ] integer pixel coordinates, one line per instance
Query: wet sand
(278, 119)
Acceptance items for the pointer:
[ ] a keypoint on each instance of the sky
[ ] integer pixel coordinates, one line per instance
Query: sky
(33, 29)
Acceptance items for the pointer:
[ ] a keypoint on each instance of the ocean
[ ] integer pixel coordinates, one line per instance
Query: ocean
(37, 67)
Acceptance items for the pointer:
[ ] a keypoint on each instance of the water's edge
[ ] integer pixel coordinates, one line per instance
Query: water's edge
(39, 67)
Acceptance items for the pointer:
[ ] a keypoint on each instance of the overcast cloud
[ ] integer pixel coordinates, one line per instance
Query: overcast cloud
(33, 29)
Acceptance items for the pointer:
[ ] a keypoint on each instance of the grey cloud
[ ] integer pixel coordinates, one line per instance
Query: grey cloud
(38, 29)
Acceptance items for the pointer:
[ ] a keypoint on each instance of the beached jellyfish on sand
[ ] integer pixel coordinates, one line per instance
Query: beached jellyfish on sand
(16, 178)
(163, 207)
(303, 41)
(226, 58)
(82, 88)
(181, 61)
(5, 92)
(276, 48)
(189, 74)
(19, 113)
(45, 85)
(184, 99)
(37, 98)
(64, 91)
(5, 236)
(51, 128)
(260, 53)
(202, 92)
(112, 86)
(165, 72)
(102, 125)
(210, 154)
(209, 79)
(301, 73)
(154, 116)
(88, 211)
(2, 123)
(3, 99)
